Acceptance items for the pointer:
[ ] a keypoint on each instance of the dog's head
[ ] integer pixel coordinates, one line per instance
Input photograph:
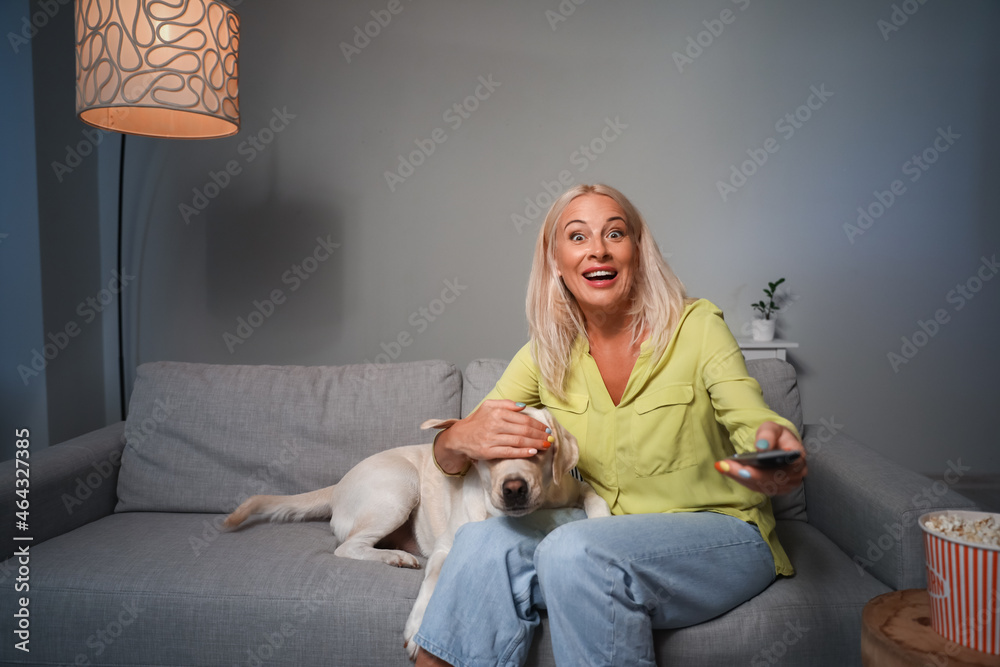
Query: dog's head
(520, 486)
(516, 487)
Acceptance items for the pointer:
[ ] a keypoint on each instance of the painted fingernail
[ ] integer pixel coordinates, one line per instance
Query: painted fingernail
(551, 438)
(745, 474)
(532, 451)
(546, 445)
(722, 466)
(548, 430)
(521, 405)
(763, 444)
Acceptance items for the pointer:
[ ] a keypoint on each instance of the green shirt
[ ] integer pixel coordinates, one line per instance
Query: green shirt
(656, 450)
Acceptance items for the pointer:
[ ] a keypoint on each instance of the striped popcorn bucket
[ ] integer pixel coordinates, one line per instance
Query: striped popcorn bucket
(962, 585)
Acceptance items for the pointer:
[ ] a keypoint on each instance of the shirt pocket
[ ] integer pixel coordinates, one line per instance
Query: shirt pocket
(570, 411)
(661, 431)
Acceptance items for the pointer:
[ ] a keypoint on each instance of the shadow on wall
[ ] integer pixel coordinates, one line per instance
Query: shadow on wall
(274, 267)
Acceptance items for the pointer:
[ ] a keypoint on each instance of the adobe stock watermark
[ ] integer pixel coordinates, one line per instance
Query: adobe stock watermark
(101, 639)
(88, 310)
(563, 11)
(75, 154)
(105, 468)
(258, 655)
(260, 480)
(8, 568)
(714, 28)
(827, 431)
(898, 17)
(915, 167)
(979, 622)
(295, 276)
(420, 320)
(926, 499)
(958, 296)
(249, 149)
(814, 441)
(581, 158)
(363, 35)
(454, 116)
(786, 126)
(31, 25)
(813, 444)
(772, 654)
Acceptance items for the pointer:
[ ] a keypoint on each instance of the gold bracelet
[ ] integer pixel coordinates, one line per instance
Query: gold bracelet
(447, 474)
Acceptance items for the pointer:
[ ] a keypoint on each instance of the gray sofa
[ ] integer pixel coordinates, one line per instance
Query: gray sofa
(128, 566)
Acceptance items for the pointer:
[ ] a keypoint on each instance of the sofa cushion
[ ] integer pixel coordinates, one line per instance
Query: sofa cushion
(150, 588)
(780, 387)
(481, 376)
(202, 438)
(813, 618)
(171, 589)
(810, 620)
(776, 378)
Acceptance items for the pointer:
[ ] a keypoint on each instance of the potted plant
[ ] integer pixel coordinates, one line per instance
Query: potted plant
(763, 325)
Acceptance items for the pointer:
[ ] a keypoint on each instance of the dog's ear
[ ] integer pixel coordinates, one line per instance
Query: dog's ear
(567, 451)
(438, 423)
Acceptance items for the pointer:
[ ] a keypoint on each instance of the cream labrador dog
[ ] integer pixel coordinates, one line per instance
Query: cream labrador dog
(396, 503)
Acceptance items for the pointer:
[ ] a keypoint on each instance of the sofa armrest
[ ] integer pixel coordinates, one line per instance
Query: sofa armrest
(71, 484)
(869, 505)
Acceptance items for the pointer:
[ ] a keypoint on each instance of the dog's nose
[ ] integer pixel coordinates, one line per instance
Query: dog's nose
(515, 491)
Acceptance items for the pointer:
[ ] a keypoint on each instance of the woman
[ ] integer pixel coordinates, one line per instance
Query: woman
(655, 389)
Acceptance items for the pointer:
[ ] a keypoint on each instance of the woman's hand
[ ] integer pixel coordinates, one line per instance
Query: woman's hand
(771, 482)
(496, 430)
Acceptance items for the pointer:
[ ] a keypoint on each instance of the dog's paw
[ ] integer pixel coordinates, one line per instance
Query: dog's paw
(402, 559)
(411, 648)
(409, 632)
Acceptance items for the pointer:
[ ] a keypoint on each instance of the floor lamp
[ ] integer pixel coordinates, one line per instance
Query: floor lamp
(156, 68)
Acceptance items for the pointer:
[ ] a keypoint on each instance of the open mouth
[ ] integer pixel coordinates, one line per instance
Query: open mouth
(600, 274)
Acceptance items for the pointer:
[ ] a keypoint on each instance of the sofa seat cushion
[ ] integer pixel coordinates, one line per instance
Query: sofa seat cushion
(812, 618)
(170, 589)
(203, 437)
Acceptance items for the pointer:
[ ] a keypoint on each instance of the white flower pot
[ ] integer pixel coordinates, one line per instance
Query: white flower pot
(763, 330)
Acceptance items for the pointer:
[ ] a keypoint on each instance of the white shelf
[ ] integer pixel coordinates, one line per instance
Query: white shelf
(772, 349)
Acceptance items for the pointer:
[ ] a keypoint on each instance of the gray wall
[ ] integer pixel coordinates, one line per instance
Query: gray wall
(327, 131)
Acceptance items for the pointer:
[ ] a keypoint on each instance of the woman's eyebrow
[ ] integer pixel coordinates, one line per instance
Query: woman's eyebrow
(611, 219)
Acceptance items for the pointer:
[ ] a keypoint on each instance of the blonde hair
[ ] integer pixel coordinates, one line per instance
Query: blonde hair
(554, 317)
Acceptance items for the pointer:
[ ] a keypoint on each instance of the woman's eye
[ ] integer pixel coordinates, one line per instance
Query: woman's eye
(617, 234)
(576, 237)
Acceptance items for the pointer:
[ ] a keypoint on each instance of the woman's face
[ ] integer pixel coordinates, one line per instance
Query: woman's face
(595, 256)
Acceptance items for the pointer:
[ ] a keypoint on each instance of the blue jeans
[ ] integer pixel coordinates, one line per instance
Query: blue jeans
(606, 584)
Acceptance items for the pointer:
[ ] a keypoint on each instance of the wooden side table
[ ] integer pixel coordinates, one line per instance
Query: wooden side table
(896, 632)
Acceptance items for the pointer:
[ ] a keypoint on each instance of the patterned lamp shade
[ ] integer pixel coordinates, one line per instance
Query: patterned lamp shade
(158, 68)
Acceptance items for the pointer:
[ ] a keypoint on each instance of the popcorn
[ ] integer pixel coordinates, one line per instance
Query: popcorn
(978, 531)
